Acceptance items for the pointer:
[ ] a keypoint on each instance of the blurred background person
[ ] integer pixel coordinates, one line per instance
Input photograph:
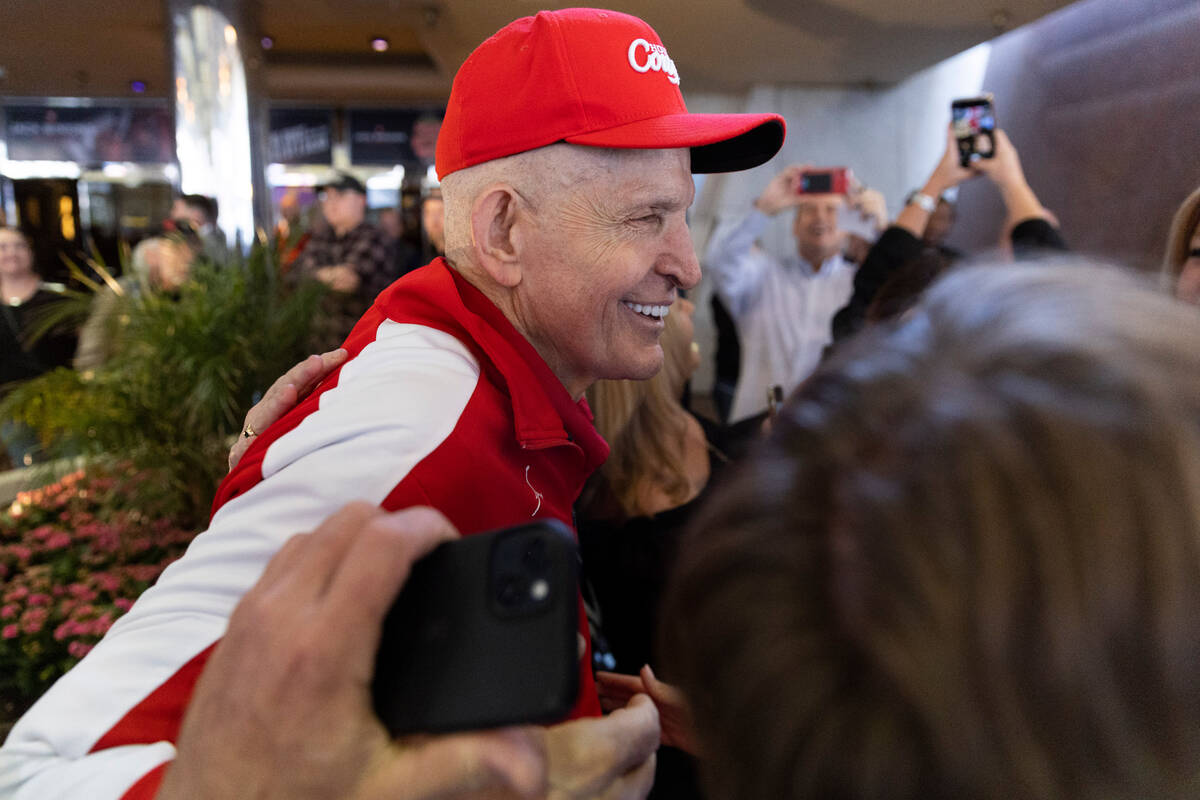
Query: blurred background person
(349, 255)
(1181, 265)
(632, 510)
(630, 517)
(161, 264)
(433, 221)
(200, 212)
(781, 308)
(964, 564)
(27, 348)
(408, 257)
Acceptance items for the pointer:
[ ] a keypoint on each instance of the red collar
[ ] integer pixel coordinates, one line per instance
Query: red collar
(543, 412)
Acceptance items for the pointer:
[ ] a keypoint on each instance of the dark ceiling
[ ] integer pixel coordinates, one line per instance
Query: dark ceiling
(321, 50)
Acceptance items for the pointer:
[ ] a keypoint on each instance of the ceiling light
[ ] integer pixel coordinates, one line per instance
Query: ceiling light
(138, 87)
(267, 42)
(379, 44)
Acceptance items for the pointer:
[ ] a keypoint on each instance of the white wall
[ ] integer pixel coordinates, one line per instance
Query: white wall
(891, 137)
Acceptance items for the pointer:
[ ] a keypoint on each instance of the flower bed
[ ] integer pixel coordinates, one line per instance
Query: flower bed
(73, 558)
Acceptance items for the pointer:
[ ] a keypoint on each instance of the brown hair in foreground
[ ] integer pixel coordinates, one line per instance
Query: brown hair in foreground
(966, 563)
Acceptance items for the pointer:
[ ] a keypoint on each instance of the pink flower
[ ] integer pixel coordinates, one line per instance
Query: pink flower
(9, 611)
(10, 631)
(82, 592)
(21, 552)
(38, 599)
(106, 582)
(33, 620)
(42, 532)
(123, 603)
(19, 593)
(58, 541)
(144, 572)
(79, 649)
(108, 541)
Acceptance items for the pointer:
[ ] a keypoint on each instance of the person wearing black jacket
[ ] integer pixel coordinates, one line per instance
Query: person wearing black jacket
(900, 264)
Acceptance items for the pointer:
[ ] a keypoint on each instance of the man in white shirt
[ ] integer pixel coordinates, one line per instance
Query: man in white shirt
(782, 308)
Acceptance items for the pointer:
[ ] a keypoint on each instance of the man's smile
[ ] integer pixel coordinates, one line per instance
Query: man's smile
(651, 311)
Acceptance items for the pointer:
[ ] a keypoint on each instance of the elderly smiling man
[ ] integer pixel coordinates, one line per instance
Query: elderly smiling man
(565, 159)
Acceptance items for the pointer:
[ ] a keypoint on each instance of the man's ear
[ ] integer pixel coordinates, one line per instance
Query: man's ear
(494, 217)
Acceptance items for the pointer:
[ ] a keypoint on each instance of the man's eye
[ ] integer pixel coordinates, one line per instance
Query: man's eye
(650, 219)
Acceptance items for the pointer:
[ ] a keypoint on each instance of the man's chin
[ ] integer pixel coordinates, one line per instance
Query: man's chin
(642, 371)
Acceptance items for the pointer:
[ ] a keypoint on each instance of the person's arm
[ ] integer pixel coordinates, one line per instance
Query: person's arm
(947, 174)
(288, 389)
(1036, 236)
(110, 723)
(95, 337)
(674, 714)
(1031, 225)
(732, 260)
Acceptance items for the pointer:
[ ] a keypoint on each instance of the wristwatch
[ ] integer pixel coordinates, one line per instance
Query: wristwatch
(924, 202)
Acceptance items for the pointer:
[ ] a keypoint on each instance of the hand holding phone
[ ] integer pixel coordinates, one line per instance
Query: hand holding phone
(483, 634)
(974, 122)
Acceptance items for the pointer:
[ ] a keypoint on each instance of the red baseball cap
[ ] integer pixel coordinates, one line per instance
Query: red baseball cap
(590, 77)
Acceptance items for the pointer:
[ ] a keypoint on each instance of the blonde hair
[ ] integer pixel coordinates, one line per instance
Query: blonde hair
(1179, 240)
(644, 425)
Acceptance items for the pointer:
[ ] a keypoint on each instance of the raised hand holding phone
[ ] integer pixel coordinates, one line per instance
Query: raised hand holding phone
(782, 191)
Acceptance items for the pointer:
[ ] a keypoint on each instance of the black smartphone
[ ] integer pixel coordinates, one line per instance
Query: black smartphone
(483, 634)
(974, 121)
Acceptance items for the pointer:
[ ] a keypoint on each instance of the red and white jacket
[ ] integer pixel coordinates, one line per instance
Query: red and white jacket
(442, 403)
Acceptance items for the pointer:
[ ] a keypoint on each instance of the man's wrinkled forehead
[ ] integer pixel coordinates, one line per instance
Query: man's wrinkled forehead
(646, 176)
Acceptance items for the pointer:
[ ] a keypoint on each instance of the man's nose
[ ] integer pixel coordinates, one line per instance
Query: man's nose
(679, 261)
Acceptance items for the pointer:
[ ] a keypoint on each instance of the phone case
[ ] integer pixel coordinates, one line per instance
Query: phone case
(974, 121)
(827, 181)
(483, 634)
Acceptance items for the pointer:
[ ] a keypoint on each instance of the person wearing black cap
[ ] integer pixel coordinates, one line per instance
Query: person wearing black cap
(350, 256)
(566, 160)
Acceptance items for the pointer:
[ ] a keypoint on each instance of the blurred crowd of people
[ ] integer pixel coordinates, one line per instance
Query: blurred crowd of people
(939, 540)
(354, 257)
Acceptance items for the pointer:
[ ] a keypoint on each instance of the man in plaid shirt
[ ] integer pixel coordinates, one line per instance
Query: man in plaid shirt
(350, 256)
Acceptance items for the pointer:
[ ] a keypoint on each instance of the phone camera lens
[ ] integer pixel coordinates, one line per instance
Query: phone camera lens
(511, 591)
(539, 590)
